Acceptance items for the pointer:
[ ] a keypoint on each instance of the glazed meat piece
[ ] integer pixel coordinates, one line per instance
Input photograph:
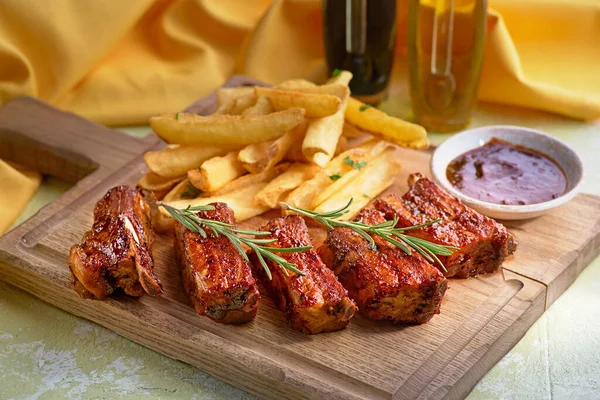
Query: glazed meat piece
(484, 244)
(385, 282)
(116, 253)
(315, 302)
(217, 279)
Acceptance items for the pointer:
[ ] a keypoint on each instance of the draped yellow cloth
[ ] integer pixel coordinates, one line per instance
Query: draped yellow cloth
(120, 61)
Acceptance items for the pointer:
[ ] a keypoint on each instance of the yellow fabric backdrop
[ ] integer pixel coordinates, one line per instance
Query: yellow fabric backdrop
(120, 61)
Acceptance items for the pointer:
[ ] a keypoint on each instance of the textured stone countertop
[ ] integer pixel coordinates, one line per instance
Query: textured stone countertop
(46, 353)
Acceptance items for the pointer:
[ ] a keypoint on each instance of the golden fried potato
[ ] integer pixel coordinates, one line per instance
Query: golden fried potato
(262, 107)
(242, 103)
(228, 95)
(175, 160)
(217, 172)
(183, 190)
(239, 200)
(322, 134)
(156, 183)
(225, 130)
(251, 179)
(263, 156)
(374, 178)
(325, 183)
(292, 84)
(316, 103)
(278, 188)
(379, 123)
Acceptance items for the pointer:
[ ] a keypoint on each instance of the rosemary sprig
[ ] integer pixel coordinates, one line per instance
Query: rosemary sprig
(386, 230)
(188, 218)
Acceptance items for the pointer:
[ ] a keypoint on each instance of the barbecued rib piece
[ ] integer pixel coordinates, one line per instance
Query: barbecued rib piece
(315, 302)
(385, 282)
(216, 278)
(484, 244)
(116, 253)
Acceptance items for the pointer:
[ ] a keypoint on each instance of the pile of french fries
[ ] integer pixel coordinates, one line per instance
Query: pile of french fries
(286, 143)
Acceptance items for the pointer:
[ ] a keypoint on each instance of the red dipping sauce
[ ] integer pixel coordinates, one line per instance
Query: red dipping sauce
(503, 173)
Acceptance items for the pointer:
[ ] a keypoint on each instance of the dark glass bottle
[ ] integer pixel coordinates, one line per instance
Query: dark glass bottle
(359, 37)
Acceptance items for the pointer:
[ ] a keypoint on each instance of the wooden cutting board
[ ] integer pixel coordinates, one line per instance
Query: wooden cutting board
(480, 321)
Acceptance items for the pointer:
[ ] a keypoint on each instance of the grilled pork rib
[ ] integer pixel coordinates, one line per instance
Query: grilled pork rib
(484, 244)
(385, 282)
(217, 279)
(116, 253)
(315, 302)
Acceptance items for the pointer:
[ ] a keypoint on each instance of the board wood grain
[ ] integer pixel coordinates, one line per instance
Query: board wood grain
(481, 318)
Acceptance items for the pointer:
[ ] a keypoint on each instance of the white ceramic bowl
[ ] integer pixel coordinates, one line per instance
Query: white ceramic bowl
(566, 158)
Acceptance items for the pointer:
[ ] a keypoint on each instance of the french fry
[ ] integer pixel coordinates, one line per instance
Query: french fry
(228, 95)
(242, 103)
(225, 130)
(216, 172)
(371, 151)
(292, 84)
(351, 131)
(373, 179)
(295, 154)
(322, 134)
(239, 200)
(318, 188)
(176, 161)
(224, 108)
(183, 190)
(379, 123)
(281, 185)
(316, 101)
(250, 179)
(263, 156)
(342, 145)
(422, 144)
(156, 183)
(262, 107)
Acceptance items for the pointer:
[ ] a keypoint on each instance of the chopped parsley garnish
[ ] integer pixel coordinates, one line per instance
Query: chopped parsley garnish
(354, 164)
(191, 192)
(366, 196)
(336, 72)
(335, 177)
(177, 116)
(364, 107)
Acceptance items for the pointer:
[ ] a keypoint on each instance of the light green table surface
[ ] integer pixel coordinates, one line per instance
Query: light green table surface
(46, 353)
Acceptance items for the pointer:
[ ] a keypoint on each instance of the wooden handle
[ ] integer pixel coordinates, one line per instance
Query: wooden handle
(53, 142)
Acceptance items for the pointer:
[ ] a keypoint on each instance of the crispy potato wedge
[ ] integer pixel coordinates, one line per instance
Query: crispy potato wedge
(176, 161)
(322, 134)
(242, 103)
(342, 146)
(295, 154)
(216, 172)
(280, 186)
(317, 104)
(183, 190)
(250, 179)
(292, 84)
(307, 194)
(262, 107)
(228, 95)
(379, 123)
(225, 130)
(239, 200)
(350, 131)
(371, 180)
(156, 183)
(347, 173)
(263, 156)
